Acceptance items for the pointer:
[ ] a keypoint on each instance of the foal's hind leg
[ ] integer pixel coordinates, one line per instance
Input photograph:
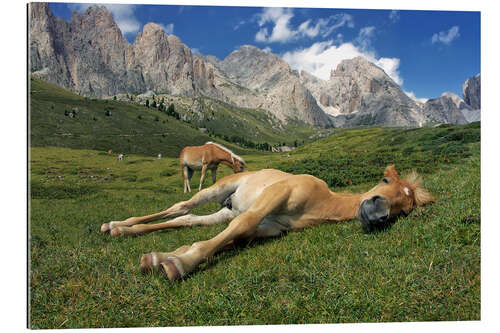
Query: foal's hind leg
(215, 193)
(151, 261)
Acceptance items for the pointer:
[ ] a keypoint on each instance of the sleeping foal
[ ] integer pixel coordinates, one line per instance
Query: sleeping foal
(267, 203)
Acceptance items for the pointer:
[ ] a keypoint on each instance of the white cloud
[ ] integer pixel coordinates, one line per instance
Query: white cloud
(169, 28)
(320, 58)
(280, 17)
(364, 38)
(446, 37)
(334, 22)
(413, 97)
(394, 16)
(267, 49)
(282, 31)
(122, 14)
(390, 67)
(237, 26)
(261, 35)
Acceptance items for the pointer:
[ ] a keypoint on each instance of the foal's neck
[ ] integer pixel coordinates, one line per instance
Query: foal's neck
(342, 206)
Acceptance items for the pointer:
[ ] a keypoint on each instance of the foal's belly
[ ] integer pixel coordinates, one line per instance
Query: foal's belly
(249, 190)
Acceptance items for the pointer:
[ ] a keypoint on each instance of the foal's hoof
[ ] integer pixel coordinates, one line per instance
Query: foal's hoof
(116, 231)
(106, 227)
(172, 269)
(149, 263)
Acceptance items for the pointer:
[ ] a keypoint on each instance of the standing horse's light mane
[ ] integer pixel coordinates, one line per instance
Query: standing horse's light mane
(233, 155)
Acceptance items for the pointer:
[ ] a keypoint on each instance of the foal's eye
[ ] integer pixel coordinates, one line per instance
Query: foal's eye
(385, 180)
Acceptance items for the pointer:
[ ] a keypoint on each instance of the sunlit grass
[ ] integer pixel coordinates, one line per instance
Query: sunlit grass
(425, 267)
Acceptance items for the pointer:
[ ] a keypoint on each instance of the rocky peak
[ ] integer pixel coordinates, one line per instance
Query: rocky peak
(250, 67)
(454, 98)
(151, 28)
(94, 18)
(152, 35)
(449, 108)
(471, 91)
(39, 13)
(360, 93)
(358, 66)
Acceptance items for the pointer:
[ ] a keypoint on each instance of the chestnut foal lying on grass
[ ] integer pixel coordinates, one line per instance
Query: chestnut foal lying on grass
(267, 203)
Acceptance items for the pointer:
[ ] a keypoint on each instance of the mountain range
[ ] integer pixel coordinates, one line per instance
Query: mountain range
(89, 56)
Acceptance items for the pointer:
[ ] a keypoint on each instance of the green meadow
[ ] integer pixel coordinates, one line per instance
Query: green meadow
(425, 267)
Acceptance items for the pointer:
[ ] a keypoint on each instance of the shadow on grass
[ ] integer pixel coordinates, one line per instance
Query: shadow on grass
(378, 227)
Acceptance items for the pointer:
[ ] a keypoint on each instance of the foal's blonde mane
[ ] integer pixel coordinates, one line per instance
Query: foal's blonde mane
(422, 196)
(233, 155)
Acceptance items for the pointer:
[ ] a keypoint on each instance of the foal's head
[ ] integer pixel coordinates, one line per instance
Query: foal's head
(391, 197)
(238, 165)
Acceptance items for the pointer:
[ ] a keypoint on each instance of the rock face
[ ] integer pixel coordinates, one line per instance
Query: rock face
(471, 91)
(262, 80)
(90, 56)
(360, 93)
(449, 108)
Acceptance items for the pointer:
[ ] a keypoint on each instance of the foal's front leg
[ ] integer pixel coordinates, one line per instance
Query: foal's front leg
(223, 215)
(215, 193)
(178, 209)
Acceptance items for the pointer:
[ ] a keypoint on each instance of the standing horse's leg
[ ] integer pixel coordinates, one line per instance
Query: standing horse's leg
(203, 172)
(190, 173)
(187, 173)
(243, 226)
(184, 176)
(215, 193)
(223, 215)
(214, 175)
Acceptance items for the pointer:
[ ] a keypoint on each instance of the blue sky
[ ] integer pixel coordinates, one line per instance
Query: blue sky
(426, 52)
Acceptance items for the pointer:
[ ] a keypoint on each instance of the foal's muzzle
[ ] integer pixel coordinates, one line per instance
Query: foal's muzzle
(374, 211)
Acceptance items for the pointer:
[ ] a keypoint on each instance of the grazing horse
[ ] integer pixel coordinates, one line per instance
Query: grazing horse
(206, 157)
(120, 157)
(267, 203)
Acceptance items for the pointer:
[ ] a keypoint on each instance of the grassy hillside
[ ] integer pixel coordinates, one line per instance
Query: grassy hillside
(426, 267)
(242, 125)
(60, 118)
(356, 156)
(103, 125)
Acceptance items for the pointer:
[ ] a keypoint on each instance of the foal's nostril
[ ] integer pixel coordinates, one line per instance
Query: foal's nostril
(375, 198)
(383, 218)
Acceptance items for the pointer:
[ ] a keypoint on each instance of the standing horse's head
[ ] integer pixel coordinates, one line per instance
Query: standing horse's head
(238, 165)
(391, 197)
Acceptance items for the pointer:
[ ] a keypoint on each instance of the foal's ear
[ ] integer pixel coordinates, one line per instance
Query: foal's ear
(391, 171)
